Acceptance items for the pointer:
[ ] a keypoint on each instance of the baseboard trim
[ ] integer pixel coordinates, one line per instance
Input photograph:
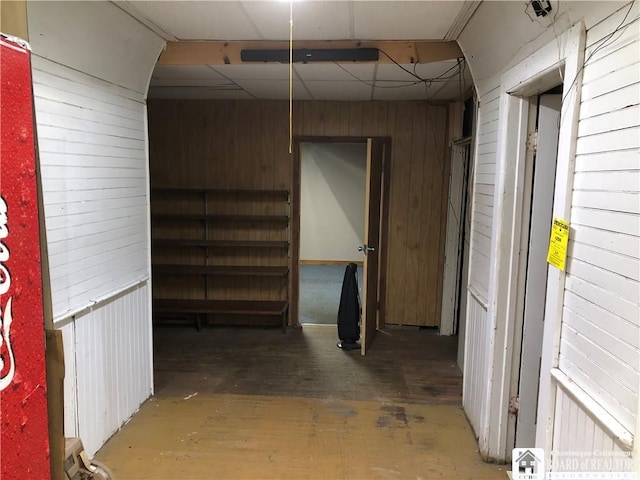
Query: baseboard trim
(329, 262)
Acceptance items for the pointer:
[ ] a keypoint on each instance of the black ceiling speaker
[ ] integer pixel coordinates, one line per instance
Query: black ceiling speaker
(306, 55)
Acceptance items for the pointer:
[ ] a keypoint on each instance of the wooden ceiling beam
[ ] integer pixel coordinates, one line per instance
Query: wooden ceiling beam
(219, 53)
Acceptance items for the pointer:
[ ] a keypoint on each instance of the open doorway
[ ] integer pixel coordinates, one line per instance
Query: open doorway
(376, 220)
(332, 218)
(537, 208)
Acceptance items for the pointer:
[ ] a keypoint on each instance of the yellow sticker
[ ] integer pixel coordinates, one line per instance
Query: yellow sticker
(557, 255)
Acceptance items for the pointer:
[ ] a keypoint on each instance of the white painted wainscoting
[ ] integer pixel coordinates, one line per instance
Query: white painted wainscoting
(577, 430)
(484, 179)
(107, 360)
(476, 362)
(91, 68)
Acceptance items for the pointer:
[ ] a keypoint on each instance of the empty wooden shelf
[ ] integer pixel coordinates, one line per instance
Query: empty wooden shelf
(220, 254)
(214, 218)
(221, 270)
(244, 308)
(178, 242)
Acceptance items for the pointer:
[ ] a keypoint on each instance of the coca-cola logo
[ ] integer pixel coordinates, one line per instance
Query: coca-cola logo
(7, 360)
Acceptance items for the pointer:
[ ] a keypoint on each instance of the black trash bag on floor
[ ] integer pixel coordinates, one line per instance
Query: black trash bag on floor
(349, 310)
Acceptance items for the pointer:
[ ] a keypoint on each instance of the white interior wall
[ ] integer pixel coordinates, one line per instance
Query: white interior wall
(91, 143)
(91, 67)
(600, 196)
(332, 201)
(107, 352)
(600, 332)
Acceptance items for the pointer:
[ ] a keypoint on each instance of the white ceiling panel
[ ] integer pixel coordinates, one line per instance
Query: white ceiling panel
(194, 20)
(198, 93)
(332, 71)
(274, 89)
(311, 20)
(192, 82)
(255, 71)
(213, 83)
(404, 20)
(338, 90)
(400, 91)
(391, 71)
(185, 72)
(437, 69)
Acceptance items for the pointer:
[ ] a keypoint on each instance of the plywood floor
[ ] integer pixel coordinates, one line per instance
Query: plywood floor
(257, 404)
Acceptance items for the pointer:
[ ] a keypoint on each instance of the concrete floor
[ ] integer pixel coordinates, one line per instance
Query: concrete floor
(223, 410)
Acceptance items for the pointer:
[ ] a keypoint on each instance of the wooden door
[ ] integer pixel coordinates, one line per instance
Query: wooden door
(371, 248)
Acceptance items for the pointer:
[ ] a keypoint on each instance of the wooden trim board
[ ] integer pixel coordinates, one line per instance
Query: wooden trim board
(329, 262)
(220, 53)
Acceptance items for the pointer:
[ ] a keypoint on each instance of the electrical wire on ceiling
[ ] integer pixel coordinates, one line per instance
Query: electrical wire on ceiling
(418, 77)
(442, 78)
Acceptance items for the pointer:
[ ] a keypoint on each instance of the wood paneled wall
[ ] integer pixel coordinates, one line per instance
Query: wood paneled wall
(13, 19)
(244, 144)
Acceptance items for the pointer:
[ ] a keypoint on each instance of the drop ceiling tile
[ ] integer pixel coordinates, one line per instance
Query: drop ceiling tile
(255, 71)
(332, 71)
(391, 71)
(273, 89)
(327, 90)
(185, 74)
(438, 69)
(311, 20)
(197, 20)
(198, 93)
(190, 82)
(404, 20)
(454, 89)
(400, 91)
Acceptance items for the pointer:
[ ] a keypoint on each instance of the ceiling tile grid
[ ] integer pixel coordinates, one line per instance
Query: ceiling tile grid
(312, 20)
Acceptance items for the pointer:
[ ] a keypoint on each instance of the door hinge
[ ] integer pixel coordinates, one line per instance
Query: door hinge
(514, 405)
(532, 142)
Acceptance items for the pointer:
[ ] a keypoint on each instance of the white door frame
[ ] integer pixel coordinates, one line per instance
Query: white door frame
(454, 244)
(534, 271)
(534, 75)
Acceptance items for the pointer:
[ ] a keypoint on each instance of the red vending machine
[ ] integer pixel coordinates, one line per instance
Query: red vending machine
(24, 439)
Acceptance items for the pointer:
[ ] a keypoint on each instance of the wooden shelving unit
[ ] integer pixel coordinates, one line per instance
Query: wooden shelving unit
(220, 256)
(212, 218)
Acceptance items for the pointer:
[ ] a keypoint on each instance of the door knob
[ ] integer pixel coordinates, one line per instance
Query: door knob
(366, 249)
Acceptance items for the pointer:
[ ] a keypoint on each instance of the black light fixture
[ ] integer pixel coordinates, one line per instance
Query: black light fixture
(306, 55)
(542, 8)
